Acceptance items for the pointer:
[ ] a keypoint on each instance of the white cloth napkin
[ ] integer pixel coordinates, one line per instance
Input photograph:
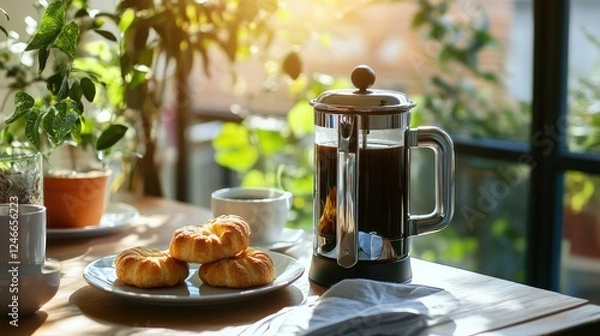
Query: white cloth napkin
(362, 307)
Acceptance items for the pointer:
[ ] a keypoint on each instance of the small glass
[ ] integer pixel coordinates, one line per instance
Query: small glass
(21, 176)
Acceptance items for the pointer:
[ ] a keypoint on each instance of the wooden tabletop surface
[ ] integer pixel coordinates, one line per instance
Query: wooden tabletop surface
(484, 304)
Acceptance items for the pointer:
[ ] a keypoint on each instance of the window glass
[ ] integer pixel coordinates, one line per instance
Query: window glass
(581, 243)
(487, 233)
(584, 76)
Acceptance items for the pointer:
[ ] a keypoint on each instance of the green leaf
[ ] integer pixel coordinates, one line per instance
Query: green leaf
(254, 178)
(481, 39)
(51, 24)
(67, 39)
(66, 117)
(106, 34)
(48, 125)
(239, 159)
(89, 89)
(416, 114)
(54, 83)
(110, 136)
(76, 131)
(75, 92)
(270, 141)
(489, 76)
(87, 126)
(43, 55)
(6, 135)
(296, 179)
(63, 92)
(232, 135)
(500, 227)
(139, 75)
(233, 148)
(81, 12)
(127, 18)
(23, 105)
(301, 119)
(418, 19)
(32, 126)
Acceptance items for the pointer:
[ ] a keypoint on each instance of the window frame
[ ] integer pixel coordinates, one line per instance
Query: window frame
(546, 152)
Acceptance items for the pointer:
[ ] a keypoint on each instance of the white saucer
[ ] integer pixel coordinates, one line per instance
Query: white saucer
(101, 274)
(117, 216)
(289, 237)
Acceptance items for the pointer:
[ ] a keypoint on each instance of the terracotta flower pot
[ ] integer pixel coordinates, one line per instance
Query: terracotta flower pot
(76, 200)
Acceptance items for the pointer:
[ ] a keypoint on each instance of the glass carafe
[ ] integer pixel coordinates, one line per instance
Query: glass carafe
(361, 221)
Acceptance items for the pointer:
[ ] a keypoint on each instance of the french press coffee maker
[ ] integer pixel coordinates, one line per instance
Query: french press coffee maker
(361, 221)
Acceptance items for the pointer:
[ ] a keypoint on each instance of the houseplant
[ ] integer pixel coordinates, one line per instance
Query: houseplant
(57, 116)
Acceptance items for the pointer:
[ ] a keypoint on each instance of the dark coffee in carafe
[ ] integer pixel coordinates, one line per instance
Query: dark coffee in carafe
(381, 186)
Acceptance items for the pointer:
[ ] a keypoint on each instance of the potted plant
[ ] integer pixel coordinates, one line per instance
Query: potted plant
(58, 115)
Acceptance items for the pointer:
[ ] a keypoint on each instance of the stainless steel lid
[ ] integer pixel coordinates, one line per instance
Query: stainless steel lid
(363, 100)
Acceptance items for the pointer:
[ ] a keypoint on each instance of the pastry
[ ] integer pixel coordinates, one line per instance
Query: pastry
(249, 268)
(219, 238)
(148, 267)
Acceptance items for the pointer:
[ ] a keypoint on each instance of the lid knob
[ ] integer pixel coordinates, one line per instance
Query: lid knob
(363, 77)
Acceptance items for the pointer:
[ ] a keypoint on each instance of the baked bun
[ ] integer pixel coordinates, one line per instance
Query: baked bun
(220, 237)
(249, 268)
(147, 268)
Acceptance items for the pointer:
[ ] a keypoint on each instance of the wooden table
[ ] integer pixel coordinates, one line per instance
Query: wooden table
(489, 305)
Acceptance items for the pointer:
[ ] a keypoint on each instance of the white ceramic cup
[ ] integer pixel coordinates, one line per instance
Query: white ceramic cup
(27, 279)
(265, 209)
(22, 234)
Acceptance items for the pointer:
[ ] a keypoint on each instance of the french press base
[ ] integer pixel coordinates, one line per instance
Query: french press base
(326, 272)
